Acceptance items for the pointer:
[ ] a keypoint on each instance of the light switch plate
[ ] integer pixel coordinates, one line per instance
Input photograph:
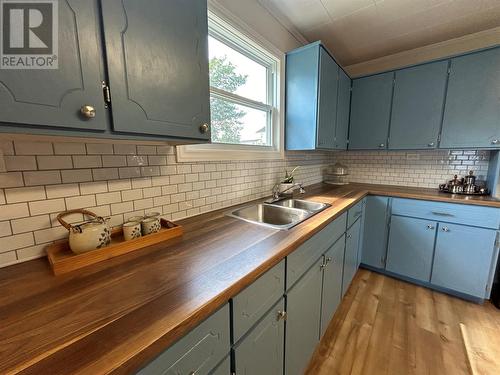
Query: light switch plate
(3, 168)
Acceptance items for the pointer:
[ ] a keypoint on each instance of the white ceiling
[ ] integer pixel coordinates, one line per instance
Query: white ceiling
(361, 30)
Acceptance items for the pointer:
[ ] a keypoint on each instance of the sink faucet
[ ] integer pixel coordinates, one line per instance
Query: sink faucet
(277, 195)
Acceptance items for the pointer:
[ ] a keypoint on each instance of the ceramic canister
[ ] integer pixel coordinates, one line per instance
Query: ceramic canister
(132, 230)
(150, 225)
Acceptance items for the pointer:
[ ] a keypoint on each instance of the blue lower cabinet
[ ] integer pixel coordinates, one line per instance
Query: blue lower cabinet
(411, 247)
(332, 282)
(463, 259)
(303, 320)
(224, 368)
(351, 255)
(199, 352)
(375, 232)
(261, 351)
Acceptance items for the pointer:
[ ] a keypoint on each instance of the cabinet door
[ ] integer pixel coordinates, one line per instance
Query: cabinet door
(463, 258)
(261, 352)
(158, 66)
(303, 321)
(411, 247)
(343, 107)
(351, 255)
(370, 112)
(332, 282)
(53, 97)
(472, 105)
(374, 247)
(224, 368)
(417, 106)
(327, 101)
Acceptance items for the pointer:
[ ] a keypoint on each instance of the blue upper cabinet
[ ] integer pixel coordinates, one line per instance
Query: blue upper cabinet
(343, 107)
(158, 67)
(327, 101)
(472, 110)
(417, 106)
(54, 97)
(370, 112)
(313, 99)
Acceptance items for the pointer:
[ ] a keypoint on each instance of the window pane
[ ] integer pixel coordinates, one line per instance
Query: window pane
(232, 71)
(238, 124)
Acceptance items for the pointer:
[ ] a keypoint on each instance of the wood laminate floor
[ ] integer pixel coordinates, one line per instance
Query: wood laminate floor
(387, 326)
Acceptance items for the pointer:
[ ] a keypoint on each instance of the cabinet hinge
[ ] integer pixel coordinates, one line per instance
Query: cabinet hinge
(106, 93)
(449, 70)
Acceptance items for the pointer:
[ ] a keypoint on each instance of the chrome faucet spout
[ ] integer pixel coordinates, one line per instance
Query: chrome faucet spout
(278, 195)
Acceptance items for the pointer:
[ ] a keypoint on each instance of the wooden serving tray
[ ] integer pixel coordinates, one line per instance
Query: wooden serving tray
(63, 260)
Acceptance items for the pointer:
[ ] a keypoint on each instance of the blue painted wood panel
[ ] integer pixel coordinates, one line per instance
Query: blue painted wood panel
(53, 97)
(375, 233)
(224, 368)
(303, 321)
(370, 112)
(417, 106)
(302, 70)
(298, 262)
(351, 255)
(261, 352)
(332, 282)
(158, 69)
(199, 351)
(251, 304)
(327, 101)
(411, 247)
(343, 111)
(472, 111)
(463, 258)
(480, 216)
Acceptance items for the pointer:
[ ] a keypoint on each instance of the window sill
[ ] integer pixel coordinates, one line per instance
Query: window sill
(219, 152)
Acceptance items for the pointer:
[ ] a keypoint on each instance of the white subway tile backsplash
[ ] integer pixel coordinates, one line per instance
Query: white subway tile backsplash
(114, 161)
(87, 161)
(8, 258)
(20, 163)
(25, 194)
(76, 175)
(69, 148)
(47, 206)
(125, 149)
(146, 150)
(108, 198)
(54, 162)
(99, 148)
(82, 201)
(104, 174)
(30, 224)
(33, 148)
(61, 191)
(16, 241)
(93, 187)
(11, 179)
(14, 211)
(5, 229)
(42, 178)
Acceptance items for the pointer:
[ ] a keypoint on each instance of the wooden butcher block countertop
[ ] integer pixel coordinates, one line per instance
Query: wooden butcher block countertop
(116, 316)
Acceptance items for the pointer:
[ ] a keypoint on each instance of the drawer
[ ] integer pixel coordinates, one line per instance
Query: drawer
(355, 213)
(253, 302)
(224, 367)
(298, 262)
(478, 216)
(198, 352)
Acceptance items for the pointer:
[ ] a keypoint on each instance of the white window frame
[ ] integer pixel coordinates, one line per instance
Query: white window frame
(229, 29)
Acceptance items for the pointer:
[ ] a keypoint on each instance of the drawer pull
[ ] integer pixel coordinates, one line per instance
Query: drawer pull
(442, 214)
(430, 226)
(281, 315)
(446, 229)
(328, 260)
(349, 235)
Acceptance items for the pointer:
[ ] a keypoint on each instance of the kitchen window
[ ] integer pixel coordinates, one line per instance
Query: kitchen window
(244, 97)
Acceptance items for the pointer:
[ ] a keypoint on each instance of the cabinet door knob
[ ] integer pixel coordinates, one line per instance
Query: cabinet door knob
(446, 229)
(281, 315)
(430, 226)
(349, 236)
(328, 260)
(87, 111)
(382, 145)
(204, 128)
(495, 142)
(430, 144)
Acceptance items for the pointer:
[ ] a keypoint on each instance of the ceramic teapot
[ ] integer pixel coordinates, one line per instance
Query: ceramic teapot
(90, 235)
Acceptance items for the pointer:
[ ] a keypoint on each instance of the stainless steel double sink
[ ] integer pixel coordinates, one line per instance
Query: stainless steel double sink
(282, 214)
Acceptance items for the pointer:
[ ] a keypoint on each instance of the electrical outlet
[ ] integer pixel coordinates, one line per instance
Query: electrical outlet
(3, 168)
(412, 156)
